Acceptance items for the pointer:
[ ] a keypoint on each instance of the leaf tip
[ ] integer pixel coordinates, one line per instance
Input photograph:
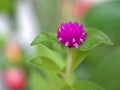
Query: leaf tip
(32, 44)
(110, 42)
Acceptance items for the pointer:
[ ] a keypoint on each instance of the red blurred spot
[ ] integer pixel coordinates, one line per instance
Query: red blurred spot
(15, 78)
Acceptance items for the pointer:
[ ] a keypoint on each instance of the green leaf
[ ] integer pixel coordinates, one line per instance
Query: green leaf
(82, 85)
(55, 81)
(56, 57)
(94, 38)
(78, 57)
(86, 85)
(45, 64)
(39, 80)
(49, 40)
(43, 37)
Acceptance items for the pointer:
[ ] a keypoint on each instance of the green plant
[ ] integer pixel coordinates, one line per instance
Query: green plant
(57, 62)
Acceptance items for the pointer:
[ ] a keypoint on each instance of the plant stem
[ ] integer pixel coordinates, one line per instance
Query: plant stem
(69, 63)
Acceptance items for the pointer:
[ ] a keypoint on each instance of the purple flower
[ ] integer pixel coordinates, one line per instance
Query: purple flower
(71, 34)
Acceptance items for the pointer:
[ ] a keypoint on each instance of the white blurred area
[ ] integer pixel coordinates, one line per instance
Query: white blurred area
(26, 24)
(5, 27)
(26, 21)
(24, 31)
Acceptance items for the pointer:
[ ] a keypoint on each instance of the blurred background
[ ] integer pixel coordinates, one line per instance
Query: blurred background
(22, 20)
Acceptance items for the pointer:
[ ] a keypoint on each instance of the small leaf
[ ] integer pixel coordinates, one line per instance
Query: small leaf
(78, 57)
(49, 40)
(83, 85)
(56, 57)
(94, 38)
(45, 64)
(42, 37)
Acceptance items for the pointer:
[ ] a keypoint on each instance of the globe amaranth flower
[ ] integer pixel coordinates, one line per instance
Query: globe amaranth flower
(71, 34)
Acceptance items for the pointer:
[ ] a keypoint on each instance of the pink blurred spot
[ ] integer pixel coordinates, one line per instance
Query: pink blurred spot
(15, 78)
(81, 7)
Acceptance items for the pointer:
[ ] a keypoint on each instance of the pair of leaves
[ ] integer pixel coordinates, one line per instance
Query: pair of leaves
(48, 49)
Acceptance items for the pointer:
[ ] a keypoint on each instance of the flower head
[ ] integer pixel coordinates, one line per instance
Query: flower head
(71, 34)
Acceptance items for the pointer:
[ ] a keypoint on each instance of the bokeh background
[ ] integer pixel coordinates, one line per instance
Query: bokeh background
(22, 20)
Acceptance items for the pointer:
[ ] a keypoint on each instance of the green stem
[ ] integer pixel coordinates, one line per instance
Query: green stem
(69, 64)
